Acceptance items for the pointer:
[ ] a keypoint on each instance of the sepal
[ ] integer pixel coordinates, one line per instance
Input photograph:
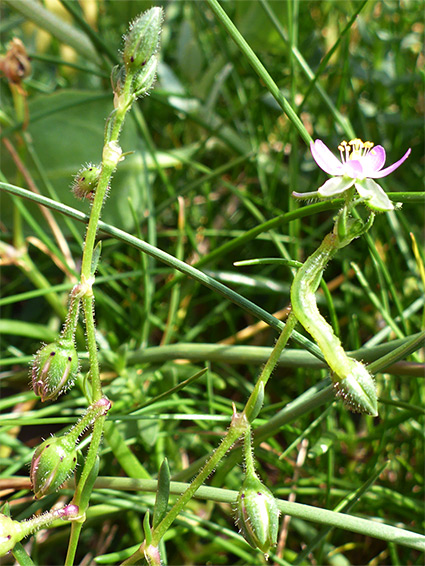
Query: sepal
(52, 464)
(357, 389)
(144, 81)
(118, 79)
(54, 369)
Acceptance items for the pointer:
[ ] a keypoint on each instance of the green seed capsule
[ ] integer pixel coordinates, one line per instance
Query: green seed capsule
(52, 464)
(85, 181)
(143, 39)
(54, 369)
(257, 514)
(10, 534)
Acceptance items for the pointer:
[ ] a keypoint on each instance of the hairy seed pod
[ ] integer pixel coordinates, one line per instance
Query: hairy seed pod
(257, 514)
(85, 181)
(54, 369)
(52, 464)
(143, 39)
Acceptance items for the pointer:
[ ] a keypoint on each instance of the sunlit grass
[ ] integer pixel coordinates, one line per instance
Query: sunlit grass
(215, 161)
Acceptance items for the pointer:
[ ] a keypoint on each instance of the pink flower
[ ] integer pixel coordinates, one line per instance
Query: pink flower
(360, 164)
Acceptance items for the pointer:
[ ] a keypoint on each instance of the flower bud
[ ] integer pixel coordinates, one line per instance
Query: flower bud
(143, 82)
(85, 181)
(143, 39)
(10, 534)
(54, 369)
(257, 514)
(52, 464)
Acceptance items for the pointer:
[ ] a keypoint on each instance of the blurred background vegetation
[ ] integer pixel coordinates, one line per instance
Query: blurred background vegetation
(213, 156)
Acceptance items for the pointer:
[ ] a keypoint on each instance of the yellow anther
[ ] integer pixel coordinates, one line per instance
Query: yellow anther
(355, 149)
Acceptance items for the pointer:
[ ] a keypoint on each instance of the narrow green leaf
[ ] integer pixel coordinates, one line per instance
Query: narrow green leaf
(162, 494)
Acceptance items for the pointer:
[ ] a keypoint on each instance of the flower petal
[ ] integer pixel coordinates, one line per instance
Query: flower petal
(391, 168)
(373, 161)
(335, 186)
(325, 159)
(375, 197)
(354, 168)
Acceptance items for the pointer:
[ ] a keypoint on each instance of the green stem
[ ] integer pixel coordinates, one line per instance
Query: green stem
(71, 322)
(249, 457)
(73, 542)
(88, 308)
(352, 381)
(110, 158)
(237, 428)
(127, 99)
(96, 210)
(83, 489)
(252, 404)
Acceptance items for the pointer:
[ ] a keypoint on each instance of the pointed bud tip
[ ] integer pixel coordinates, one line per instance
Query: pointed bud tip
(142, 41)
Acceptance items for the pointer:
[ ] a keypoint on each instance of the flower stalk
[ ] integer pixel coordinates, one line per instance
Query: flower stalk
(239, 427)
(257, 514)
(12, 532)
(124, 96)
(351, 379)
(360, 164)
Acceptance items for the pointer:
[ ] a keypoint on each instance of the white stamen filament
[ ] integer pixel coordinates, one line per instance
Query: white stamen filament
(354, 149)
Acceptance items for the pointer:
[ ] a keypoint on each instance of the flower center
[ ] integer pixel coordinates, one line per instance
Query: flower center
(354, 149)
